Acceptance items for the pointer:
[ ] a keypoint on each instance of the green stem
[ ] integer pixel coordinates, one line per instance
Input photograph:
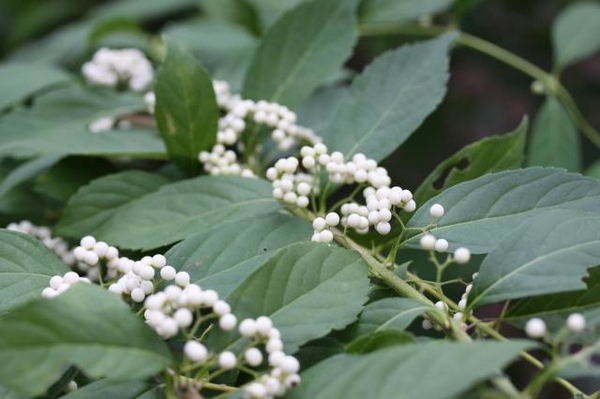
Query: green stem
(551, 82)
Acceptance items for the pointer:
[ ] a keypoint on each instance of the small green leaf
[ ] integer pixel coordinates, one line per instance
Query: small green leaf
(408, 371)
(576, 33)
(106, 388)
(378, 340)
(26, 266)
(223, 256)
(304, 47)
(545, 256)
(179, 210)
(94, 205)
(393, 11)
(389, 313)
(390, 99)
(307, 289)
(481, 211)
(19, 80)
(186, 108)
(554, 139)
(77, 327)
(491, 154)
(58, 124)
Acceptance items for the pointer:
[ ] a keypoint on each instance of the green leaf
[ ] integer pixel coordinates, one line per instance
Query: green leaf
(212, 42)
(143, 10)
(186, 107)
(304, 47)
(576, 33)
(269, 11)
(179, 210)
(547, 255)
(19, 80)
(26, 266)
(94, 205)
(481, 211)
(593, 170)
(555, 308)
(307, 289)
(27, 170)
(393, 11)
(491, 154)
(581, 364)
(58, 124)
(223, 256)
(116, 25)
(390, 99)
(389, 314)
(77, 327)
(378, 340)
(318, 110)
(106, 388)
(408, 371)
(554, 139)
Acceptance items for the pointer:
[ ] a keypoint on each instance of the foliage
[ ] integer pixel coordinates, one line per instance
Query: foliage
(212, 209)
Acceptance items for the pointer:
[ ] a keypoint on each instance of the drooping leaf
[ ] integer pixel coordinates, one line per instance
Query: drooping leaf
(389, 314)
(27, 170)
(491, 154)
(78, 327)
(211, 42)
(381, 11)
(179, 210)
(322, 285)
(408, 371)
(390, 99)
(555, 308)
(548, 255)
(26, 266)
(379, 339)
(301, 50)
(221, 257)
(554, 140)
(576, 33)
(19, 80)
(58, 124)
(481, 211)
(94, 205)
(186, 107)
(106, 388)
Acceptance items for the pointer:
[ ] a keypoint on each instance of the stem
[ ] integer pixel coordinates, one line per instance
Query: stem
(550, 81)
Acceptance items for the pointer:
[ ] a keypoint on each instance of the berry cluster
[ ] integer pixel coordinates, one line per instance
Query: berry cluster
(59, 284)
(129, 67)
(322, 227)
(536, 327)
(221, 161)
(43, 233)
(289, 186)
(430, 243)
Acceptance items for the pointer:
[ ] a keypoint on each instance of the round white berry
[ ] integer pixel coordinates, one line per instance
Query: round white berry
(255, 390)
(101, 248)
(274, 345)
(436, 210)
(247, 327)
(462, 255)
(227, 360)
(326, 236)
(195, 351)
(182, 279)
(263, 325)
(410, 206)
(576, 322)
(253, 357)
(427, 242)
(221, 308)
(168, 273)
(383, 228)
(319, 224)
(227, 322)
(159, 261)
(138, 295)
(91, 258)
(332, 219)
(290, 365)
(88, 242)
(70, 278)
(535, 328)
(146, 272)
(441, 245)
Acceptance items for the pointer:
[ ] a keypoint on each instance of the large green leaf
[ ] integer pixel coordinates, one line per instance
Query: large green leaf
(481, 211)
(187, 113)
(408, 371)
(58, 124)
(77, 327)
(223, 256)
(547, 255)
(576, 33)
(26, 266)
(393, 11)
(554, 140)
(390, 99)
(318, 110)
(20, 80)
(491, 154)
(179, 210)
(307, 289)
(555, 308)
(389, 314)
(106, 388)
(304, 47)
(94, 205)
